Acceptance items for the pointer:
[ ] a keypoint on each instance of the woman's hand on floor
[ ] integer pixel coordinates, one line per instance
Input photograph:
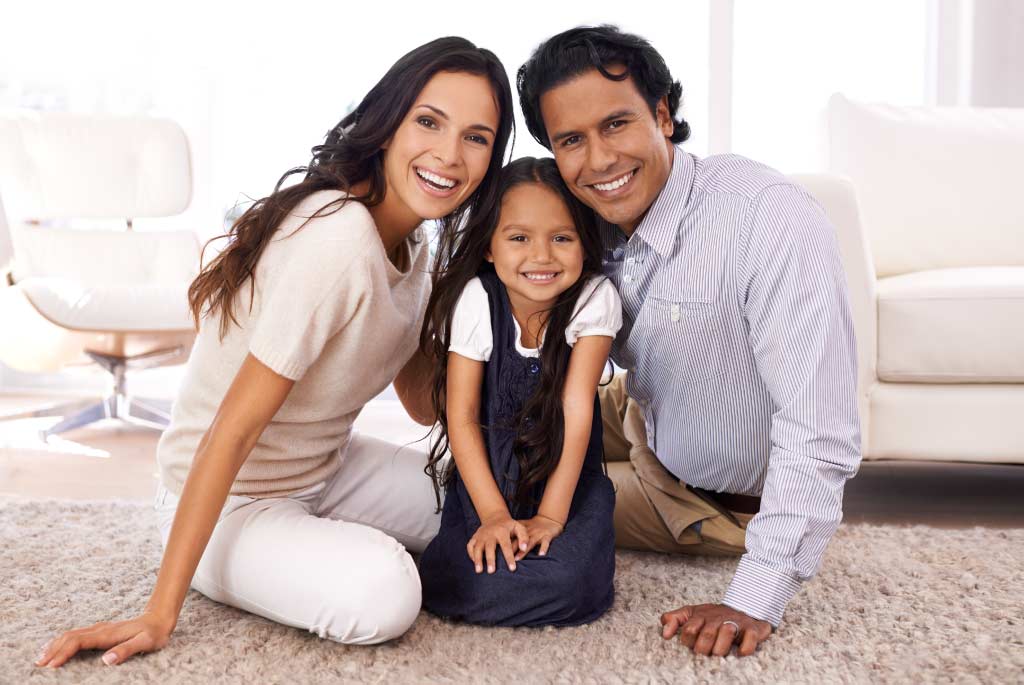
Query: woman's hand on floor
(147, 633)
(540, 530)
(498, 530)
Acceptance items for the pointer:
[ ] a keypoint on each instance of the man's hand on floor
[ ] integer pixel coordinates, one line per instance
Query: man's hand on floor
(712, 629)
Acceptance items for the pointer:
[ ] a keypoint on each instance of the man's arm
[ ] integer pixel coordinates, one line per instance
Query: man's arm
(795, 304)
(801, 334)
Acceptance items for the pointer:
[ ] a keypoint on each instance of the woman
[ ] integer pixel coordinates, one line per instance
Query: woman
(268, 501)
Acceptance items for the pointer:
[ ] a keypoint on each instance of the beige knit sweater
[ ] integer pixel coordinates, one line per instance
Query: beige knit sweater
(331, 312)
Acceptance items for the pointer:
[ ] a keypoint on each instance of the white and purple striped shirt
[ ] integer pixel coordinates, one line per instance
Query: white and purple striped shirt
(740, 347)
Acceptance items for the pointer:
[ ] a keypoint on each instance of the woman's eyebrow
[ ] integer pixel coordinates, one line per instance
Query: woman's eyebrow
(441, 113)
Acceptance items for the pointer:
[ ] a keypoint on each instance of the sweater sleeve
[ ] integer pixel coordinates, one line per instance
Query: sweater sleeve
(309, 295)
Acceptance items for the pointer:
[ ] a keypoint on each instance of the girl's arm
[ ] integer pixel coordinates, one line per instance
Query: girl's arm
(586, 364)
(497, 527)
(252, 400)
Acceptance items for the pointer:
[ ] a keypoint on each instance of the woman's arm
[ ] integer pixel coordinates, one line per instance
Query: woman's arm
(586, 364)
(497, 527)
(413, 386)
(255, 395)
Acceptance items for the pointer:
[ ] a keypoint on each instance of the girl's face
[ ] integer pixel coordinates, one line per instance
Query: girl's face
(440, 152)
(535, 249)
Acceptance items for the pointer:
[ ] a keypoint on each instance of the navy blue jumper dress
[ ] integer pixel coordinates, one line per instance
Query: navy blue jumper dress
(570, 585)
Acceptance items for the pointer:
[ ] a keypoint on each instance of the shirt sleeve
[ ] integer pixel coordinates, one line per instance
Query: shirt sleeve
(471, 334)
(801, 333)
(308, 297)
(598, 311)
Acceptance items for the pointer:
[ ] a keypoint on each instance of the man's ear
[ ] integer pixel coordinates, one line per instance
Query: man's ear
(664, 118)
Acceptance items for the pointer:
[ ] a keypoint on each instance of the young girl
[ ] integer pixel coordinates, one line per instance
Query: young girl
(526, 323)
(268, 500)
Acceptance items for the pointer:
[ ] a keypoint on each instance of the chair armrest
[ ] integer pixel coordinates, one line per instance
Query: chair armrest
(106, 257)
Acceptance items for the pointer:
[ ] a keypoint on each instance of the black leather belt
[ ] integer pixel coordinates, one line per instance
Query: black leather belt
(742, 504)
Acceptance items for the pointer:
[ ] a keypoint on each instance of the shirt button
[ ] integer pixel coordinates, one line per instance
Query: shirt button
(534, 366)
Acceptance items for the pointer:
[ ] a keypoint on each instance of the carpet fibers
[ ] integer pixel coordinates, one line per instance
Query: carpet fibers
(890, 604)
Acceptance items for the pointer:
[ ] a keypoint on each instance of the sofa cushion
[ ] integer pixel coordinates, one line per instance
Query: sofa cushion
(939, 187)
(952, 326)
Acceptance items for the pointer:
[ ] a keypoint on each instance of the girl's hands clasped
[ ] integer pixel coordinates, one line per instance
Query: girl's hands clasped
(497, 530)
(515, 538)
(147, 633)
(540, 531)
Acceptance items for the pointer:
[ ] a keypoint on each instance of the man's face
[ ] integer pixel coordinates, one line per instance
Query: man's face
(613, 154)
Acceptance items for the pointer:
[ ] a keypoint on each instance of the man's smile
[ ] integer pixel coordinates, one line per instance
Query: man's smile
(614, 186)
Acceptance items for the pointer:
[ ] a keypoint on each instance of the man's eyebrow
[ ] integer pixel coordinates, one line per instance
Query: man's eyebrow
(618, 114)
(441, 113)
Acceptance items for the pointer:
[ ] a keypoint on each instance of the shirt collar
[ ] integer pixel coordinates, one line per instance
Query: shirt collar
(660, 226)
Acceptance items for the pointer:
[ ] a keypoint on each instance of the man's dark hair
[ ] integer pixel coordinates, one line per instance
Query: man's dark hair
(563, 57)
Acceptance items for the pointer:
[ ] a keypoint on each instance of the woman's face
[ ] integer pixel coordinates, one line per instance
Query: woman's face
(441, 151)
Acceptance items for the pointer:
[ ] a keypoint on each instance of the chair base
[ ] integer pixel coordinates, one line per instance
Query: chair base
(153, 414)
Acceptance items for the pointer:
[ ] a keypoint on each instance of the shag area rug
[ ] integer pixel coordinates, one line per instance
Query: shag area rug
(890, 604)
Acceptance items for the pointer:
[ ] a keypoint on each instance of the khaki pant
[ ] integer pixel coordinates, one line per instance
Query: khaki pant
(653, 509)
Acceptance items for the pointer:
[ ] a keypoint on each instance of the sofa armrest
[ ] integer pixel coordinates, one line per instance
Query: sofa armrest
(838, 198)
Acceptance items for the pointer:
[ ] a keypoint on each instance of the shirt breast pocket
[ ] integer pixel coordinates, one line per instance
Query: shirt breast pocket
(686, 338)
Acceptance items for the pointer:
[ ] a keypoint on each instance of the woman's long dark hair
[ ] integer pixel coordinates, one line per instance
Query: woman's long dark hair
(540, 425)
(352, 154)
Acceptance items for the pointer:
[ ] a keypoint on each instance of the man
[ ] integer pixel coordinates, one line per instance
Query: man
(740, 427)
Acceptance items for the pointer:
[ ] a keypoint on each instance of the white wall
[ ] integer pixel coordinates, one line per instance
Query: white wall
(256, 88)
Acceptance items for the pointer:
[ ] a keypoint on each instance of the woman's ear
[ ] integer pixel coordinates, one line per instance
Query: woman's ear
(488, 257)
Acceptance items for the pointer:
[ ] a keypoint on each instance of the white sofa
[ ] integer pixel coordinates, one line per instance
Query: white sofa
(937, 280)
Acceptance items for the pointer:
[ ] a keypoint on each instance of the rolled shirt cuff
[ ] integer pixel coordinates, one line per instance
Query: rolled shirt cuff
(760, 591)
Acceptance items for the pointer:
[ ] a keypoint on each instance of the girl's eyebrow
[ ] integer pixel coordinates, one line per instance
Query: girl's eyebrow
(441, 113)
(518, 227)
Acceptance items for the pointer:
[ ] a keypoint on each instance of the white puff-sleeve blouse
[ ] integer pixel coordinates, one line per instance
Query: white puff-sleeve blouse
(598, 311)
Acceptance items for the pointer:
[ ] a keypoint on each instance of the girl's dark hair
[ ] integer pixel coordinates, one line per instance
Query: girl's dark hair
(539, 426)
(562, 58)
(352, 154)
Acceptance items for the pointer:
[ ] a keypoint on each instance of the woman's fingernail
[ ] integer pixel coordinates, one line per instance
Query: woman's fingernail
(41, 658)
(512, 567)
(490, 569)
(479, 568)
(110, 658)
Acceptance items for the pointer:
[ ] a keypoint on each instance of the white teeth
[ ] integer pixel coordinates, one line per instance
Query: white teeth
(540, 277)
(435, 179)
(617, 183)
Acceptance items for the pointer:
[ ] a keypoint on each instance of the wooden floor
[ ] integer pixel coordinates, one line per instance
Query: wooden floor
(112, 460)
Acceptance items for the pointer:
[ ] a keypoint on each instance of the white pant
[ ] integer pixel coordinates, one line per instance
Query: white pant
(331, 558)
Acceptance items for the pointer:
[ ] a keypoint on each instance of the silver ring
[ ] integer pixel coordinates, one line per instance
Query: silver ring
(733, 623)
